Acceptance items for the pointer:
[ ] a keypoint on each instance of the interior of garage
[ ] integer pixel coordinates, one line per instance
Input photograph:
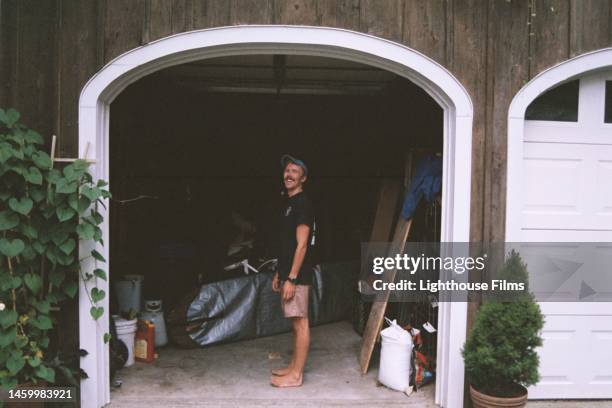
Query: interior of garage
(197, 146)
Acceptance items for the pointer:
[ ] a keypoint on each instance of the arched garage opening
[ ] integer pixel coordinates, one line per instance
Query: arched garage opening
(559, 191)
(94, 115)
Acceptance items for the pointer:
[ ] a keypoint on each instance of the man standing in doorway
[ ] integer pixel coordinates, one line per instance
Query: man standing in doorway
(295, 267)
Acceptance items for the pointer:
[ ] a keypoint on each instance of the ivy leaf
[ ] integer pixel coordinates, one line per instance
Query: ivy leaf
(80, 164)
(37, 194)
(15, 364)
(9, 117)
(79, 203)
(64, 213)
(59, 236)
(6, 152)
(96, 312)
(33, 282)
(100, 274)
(46, 373)
(21, 206)
(107, 337)
(96, 217)
(29, 231)
(38, 247)
(68, 246)
(44, 342)
(85, 231)
(72, 172)
(57, 276)
(8, 220)
(34, 362)
(8, 318)
(7, 337)
(8, 282)
(20, 341)
(65, 260)
(97, 256)
(70, 289)
(65, 186)
(41, 159)
(91, 192)
(28, 253)
(101, 183)
(33, 175)
(97, 294)
(32, 136)
(42, 306)
(54, 176)
(11, 248)
(42, 322)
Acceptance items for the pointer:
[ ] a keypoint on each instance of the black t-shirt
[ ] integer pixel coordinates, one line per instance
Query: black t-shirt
(297, 210)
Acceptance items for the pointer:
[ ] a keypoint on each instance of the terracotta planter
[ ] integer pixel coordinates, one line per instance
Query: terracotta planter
(480, 400)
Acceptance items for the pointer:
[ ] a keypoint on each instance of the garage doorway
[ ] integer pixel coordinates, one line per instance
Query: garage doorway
(559, 191)
(438, 83)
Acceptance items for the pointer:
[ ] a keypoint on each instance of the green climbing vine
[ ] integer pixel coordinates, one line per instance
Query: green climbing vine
(45, 212)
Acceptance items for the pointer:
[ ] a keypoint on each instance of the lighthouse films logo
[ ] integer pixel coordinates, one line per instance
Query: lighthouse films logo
(444, 272)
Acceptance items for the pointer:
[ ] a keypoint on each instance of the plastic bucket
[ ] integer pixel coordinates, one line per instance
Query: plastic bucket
(129, 292)
(126, 331)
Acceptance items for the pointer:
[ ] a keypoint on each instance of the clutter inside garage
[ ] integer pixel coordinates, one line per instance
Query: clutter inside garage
(197, 192)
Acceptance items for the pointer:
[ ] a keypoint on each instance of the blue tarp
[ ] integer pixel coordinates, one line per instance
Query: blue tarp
(426, 183)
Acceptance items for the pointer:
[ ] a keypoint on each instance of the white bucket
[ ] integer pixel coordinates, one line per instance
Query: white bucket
(129, 292)
(395, 355)
(126, 331)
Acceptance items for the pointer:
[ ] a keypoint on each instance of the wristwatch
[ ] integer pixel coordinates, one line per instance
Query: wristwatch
(292, 280)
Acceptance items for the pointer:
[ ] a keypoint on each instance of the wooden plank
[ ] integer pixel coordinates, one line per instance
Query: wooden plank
(467, 60)
(36, 75)
(211, 13)
(377, 313)
(549, 34)
(339, 13)
(508, 71)
(252, 11)
(298, 12)
(182, 16)
(78, 29)
(589, 27)
(123, 26)
(382, 18)
(160, 19)
(387, 205)
(9, 40)
(424, 27)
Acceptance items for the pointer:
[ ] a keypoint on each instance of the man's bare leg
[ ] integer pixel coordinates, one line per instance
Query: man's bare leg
(302, 342)
(286, 370)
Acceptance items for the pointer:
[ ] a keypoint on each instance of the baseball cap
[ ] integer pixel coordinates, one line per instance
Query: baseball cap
(286, 158)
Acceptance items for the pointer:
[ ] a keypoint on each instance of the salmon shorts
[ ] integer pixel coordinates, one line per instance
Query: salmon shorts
(297, 306)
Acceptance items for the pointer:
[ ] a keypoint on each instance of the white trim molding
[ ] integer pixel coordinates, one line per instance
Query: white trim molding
(111, 80)
(565, 71)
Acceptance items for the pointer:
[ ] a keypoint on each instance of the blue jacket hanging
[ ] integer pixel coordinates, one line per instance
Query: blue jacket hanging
(427, 182)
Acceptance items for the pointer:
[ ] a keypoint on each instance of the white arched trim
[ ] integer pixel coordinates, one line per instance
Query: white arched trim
(547, 79)
(100, 91)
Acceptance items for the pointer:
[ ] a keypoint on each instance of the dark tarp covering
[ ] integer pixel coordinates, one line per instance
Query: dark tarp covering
(246, 307)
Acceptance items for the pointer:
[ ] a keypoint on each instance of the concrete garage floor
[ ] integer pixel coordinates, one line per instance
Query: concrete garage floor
(237, 375)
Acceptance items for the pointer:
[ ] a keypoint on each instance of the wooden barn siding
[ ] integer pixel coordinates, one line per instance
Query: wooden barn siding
(50, 48)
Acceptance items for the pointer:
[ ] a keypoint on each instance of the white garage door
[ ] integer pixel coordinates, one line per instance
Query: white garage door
(567, 197)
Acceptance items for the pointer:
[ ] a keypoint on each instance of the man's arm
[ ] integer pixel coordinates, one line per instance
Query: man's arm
(301, 235)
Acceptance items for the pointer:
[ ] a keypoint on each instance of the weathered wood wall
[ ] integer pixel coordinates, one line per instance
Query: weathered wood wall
(49, 48)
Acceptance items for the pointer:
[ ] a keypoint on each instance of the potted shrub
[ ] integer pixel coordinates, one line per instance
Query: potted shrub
(44, 213)
(500, 352)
